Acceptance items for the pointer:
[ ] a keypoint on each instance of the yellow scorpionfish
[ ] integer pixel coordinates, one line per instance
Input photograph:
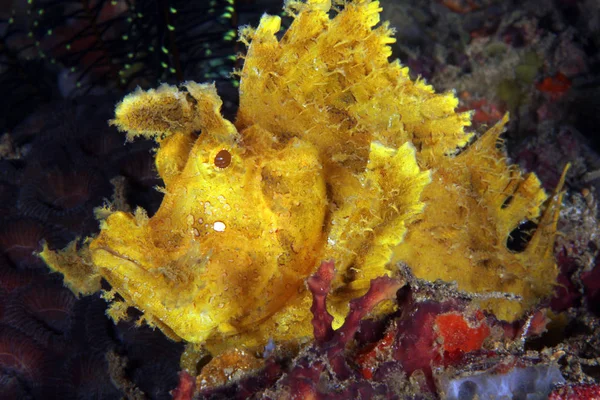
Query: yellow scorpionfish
(336, 154)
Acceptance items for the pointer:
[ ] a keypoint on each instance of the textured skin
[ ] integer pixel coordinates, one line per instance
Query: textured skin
(336, 154)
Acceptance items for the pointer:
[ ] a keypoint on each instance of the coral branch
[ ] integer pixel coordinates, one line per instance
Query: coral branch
(185, 389)
(319, 285)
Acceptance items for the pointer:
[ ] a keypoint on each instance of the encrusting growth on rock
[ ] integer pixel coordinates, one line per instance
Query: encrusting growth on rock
(336, 154)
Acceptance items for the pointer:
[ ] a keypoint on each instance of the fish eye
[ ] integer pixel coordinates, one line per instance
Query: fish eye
(222, 159)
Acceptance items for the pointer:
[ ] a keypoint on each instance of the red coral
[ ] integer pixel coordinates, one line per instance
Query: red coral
(304, 379)
(369, 358)
(555, 86)
(431, 334)
(531, 326)
(428, 332)
(458, 335)
(185, 389)
(416, 346)
(321, 368)
(461, 6)
(320, 284)
(576, 392)
(485, 112)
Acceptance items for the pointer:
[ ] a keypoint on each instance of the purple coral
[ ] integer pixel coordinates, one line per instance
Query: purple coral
(433, 344)
(323, 369)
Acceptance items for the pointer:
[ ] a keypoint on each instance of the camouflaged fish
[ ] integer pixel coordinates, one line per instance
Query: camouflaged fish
(336, 154)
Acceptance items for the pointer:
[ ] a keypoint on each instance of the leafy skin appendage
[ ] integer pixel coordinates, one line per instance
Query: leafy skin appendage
(336, 154)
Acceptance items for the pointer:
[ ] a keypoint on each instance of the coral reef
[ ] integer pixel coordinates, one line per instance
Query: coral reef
(416, 352)
(573, 392)
(54, 344)
(60, 164)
